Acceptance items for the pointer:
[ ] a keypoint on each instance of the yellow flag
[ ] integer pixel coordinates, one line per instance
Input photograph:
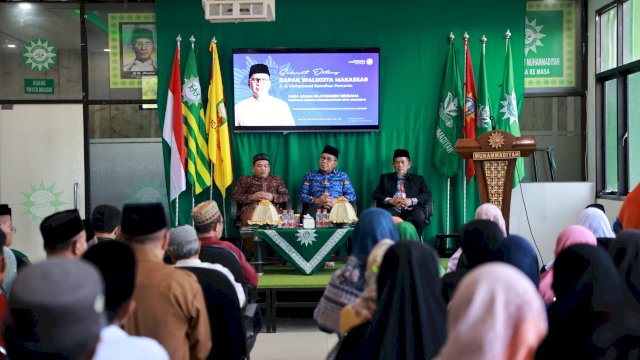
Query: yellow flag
(218, 128)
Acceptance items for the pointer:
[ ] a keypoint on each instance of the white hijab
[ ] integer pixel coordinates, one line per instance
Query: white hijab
(596, 221)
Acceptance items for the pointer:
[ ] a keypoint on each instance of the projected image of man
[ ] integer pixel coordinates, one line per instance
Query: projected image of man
(262, 109)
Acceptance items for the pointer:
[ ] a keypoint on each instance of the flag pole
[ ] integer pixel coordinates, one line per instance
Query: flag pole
(507, 35)
(178, 40)
(464, 162)
(448, 195)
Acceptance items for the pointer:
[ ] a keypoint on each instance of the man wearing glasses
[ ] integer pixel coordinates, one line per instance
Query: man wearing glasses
(262, 109)
(321, 188)
(143, 46)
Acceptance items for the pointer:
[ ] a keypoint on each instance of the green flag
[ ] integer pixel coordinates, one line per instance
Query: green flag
(507, 118)
(449, 125)
(198, 170)
(483, 121)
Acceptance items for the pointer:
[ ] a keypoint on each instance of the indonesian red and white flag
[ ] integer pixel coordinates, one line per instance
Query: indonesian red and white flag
(173, 131)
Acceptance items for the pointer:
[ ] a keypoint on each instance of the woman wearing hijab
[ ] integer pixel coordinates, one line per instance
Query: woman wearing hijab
(517, 251)
(346, 284)
(625, 252)
(595, 220)
(479, 238)
(496, 313)
(572, 235)
(406, 231)
(409, 322)
(585, 320)
(363, 308)
(486, 211)
(629, 215)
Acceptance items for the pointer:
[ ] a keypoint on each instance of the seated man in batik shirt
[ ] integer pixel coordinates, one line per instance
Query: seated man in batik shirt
(261, 185)
(321, 188)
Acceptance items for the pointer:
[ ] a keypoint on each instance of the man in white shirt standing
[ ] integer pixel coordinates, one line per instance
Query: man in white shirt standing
(262, 109)
(184, 248)
(117, 264)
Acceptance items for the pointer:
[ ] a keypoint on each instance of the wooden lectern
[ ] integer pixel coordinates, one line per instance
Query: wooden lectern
(494, 157)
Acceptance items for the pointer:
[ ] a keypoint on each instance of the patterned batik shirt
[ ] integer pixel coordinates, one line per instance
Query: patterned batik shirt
(336, 184)
(249, 185)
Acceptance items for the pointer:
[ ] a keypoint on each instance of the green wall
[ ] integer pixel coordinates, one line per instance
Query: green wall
(413, 39)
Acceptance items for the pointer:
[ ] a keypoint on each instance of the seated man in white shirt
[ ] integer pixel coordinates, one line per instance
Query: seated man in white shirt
(262, 109)
(184, 248)
(117, 264)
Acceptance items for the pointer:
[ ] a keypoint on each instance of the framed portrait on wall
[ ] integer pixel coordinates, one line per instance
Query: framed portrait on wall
(132, 49)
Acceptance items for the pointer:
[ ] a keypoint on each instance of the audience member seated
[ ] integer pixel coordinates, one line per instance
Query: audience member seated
(595, 220)
(402, 194)
(322, 188)
(346, 284)
(406, 231)
(117, 265)
(362, 309)
(6, 224)
(629, 215)
(410, 319)
(209, 224)
(184, 248)
(585, 320)
(486, 211)
(250, 190)
(106, 220)
(172, 308)
(518, 251)
(64, 235)
(625, 252)
(572, 235)
(479, 238)
(495, 313)
(56, 311)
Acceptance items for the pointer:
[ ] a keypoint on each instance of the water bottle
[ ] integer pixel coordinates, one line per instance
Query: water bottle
(325, 218)
(291, 219)
(319, 218)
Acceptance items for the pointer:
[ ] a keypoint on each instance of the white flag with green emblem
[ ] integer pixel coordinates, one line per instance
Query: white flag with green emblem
(507, 116)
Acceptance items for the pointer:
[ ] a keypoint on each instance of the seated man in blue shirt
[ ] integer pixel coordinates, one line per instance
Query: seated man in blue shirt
(321, 188)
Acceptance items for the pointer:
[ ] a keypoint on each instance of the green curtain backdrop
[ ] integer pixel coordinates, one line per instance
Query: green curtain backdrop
(413, 39)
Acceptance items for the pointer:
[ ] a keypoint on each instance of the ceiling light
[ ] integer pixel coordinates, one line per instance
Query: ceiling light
(25, 6)
(11, 45)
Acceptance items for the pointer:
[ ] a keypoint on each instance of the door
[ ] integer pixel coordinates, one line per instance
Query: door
(41, 167)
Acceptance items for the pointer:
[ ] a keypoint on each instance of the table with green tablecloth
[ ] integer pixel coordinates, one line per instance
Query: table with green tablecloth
(306, 249)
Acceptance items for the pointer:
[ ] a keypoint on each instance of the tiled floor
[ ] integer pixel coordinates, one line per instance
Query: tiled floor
(296, 339)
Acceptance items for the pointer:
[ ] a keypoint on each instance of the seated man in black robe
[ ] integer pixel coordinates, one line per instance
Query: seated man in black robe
(404, 195)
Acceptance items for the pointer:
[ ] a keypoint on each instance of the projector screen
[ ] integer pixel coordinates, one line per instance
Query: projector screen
(306, 90)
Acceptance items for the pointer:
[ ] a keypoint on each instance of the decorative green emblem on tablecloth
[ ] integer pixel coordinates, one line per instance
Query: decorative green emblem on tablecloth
(41, 201)
(306, 237)
(310, 255)
(39, 54)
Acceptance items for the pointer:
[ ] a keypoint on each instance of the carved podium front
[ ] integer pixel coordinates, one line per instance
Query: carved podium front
(494, 157)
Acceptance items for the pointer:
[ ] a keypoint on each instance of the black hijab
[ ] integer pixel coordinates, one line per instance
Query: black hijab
(585, 320)
(478, 239)
(410, 321)
(625, 252)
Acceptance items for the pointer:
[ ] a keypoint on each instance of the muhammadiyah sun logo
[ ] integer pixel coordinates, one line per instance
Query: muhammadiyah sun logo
(39, 54)
(41, 201)
(532, 35)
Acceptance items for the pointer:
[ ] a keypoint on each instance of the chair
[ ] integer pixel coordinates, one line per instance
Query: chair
(233, 332)
(428, 210)
(224, 257)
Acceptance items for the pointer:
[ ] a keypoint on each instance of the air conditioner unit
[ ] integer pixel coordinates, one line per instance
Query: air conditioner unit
(239, 10)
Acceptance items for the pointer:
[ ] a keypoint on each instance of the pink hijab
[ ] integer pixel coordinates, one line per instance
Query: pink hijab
(572, 235)
(495, 313)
